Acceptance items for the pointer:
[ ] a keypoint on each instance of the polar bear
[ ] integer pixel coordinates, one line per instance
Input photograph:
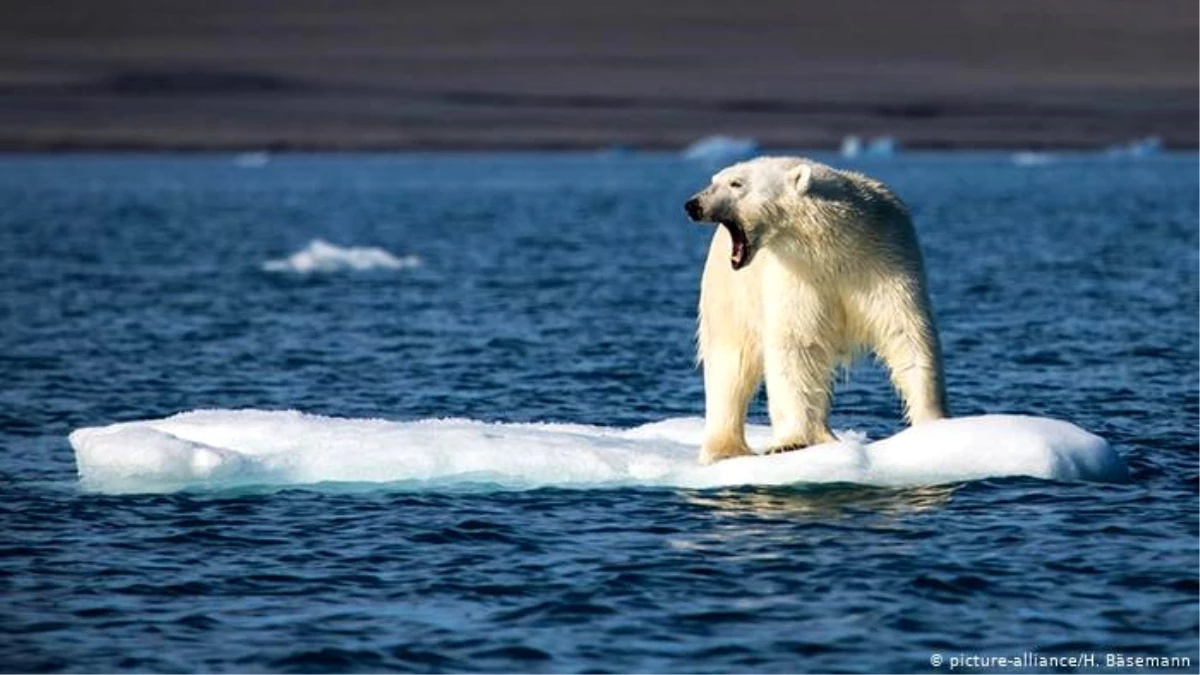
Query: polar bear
(809, 266)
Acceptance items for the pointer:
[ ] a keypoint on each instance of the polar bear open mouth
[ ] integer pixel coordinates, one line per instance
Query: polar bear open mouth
(740, 253)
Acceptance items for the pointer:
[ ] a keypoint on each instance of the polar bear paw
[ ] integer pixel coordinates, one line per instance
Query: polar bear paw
(786, 447)
(715, 452)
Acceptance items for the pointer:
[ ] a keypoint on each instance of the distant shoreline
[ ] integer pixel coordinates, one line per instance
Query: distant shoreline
(265, 122)
(480, 75)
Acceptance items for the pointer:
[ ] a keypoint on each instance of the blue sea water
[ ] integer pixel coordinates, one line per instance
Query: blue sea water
(563, 288)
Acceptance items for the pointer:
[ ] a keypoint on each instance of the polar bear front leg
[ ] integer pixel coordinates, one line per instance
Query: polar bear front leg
(798, 397)
(731, 376)
(799, 346)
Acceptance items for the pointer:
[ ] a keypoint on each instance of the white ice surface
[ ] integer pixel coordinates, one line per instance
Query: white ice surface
(721, 149)
(321, 256)
(210, 449)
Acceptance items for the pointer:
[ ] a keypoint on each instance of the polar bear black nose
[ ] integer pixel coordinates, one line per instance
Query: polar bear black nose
(693, 208)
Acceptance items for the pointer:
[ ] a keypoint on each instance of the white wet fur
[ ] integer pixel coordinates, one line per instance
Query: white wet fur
(216, 449)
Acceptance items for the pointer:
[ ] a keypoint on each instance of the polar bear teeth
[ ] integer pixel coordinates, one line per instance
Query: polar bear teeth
(737, 256)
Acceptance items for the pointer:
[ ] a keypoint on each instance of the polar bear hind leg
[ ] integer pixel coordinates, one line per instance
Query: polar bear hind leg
(907, 343)
(801, 335)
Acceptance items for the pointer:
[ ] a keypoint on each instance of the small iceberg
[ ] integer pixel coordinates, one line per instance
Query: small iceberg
(851, 147)
(884, 146)
(881, 146)
(721, 149)
(1137, 148)
(252, 160)
(321, 256)
(223, 449)
(1030, 158)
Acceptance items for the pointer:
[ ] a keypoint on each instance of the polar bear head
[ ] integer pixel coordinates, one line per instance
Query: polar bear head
(754, 200)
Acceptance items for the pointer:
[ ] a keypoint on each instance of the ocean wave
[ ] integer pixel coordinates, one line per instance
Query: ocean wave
(321, 256)
(218, 449)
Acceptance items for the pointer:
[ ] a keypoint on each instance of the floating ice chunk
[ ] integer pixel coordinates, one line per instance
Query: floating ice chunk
(215, 449)
(252, 160)
(721, 149)
(321, 256)
(883, 146)
(1137, 148)
(1029, 158)
(851, 147)
(880, 146)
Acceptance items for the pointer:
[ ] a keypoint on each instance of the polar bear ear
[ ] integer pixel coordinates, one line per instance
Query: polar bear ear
(800, 178)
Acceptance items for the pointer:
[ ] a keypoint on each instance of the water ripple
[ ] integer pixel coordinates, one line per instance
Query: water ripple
(130, 288)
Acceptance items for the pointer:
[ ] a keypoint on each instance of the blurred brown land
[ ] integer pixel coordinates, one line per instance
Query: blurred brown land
(479, 74)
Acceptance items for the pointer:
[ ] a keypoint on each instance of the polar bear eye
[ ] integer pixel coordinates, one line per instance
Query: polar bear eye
(735, 184)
